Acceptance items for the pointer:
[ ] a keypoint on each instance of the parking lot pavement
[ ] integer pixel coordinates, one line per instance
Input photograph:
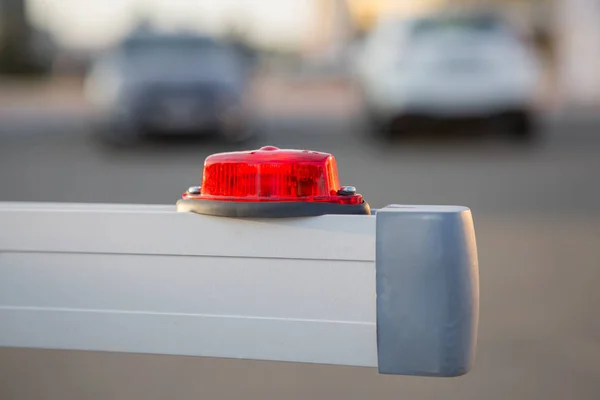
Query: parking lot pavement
(54, 107)
(278, 103)
(539, 339)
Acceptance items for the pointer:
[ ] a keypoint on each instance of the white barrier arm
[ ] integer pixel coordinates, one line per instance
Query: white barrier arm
(397, 290)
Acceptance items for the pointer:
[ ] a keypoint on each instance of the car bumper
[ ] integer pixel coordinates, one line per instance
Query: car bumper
(175, 122)
(456, 101)
(179, 124)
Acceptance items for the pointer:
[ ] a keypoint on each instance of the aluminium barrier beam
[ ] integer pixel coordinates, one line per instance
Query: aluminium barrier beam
(398, 291)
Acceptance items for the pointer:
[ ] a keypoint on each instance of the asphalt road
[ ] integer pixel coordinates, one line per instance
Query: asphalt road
(54, 159)
(537, 217)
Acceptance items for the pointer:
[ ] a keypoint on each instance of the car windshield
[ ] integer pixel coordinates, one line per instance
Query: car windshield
(181, 56)
(459, 25)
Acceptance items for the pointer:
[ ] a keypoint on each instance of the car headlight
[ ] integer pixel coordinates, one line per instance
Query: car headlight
(104, 92)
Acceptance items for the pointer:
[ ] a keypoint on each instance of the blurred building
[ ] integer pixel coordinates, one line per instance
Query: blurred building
(329, 47)
(365, 13)
(578, 65)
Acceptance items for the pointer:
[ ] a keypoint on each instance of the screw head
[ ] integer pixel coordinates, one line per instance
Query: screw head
(347, 191)
(194, 190)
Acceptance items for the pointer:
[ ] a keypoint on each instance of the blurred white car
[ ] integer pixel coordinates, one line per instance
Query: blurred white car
(448, 66)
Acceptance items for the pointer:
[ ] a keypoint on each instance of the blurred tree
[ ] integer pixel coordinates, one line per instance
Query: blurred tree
(23, 50)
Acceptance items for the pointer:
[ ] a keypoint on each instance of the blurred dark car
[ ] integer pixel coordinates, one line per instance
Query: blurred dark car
(169, 84)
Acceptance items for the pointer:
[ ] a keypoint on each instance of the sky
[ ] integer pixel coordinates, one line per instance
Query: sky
(96, 23)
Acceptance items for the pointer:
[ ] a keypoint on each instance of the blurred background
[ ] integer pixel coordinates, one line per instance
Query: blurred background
(494, 105)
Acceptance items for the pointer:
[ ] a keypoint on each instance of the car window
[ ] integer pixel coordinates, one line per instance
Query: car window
(183, 57)
(479, 34)
(462, 25)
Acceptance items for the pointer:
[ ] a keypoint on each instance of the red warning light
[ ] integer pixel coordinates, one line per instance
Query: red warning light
(271, 175)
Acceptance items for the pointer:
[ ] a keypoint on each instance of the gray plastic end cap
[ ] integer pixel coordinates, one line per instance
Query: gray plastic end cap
(427, 290)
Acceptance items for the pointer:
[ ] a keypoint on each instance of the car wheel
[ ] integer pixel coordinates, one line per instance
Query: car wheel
(399, 126)
(383, 128)
(373, 122)
(236, 134)
(118, 136)
(518, 125)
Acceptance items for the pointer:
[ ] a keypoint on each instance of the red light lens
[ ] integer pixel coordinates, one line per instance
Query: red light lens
(271, 174)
